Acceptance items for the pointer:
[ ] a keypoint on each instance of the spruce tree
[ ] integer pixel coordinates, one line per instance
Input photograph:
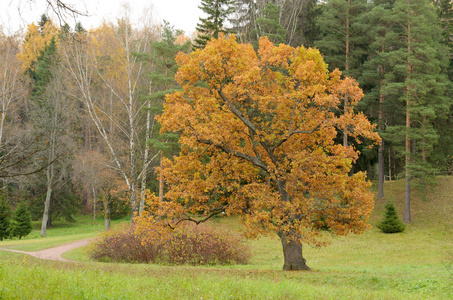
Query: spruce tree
(21, 223)
(217, 12)
(391, 222)
(5, 213)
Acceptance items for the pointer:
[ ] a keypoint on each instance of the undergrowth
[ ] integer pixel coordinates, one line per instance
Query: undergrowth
(190, 244)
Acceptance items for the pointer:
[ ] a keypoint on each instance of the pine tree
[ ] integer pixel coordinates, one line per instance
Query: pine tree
(342, 41)
(379, 25)
(21, 224)
(444, 150)
(210, 27)
(391, 222)
(5, 212)
(417, 79)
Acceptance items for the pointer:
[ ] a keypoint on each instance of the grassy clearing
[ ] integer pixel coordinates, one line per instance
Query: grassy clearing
(415, 264)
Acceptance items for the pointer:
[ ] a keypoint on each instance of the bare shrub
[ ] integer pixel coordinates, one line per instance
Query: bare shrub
(121, 244)
(190, 244)
(201, 244)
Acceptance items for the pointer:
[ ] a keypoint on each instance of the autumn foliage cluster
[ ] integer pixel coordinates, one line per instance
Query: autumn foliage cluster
(191, 244)
(259, 137)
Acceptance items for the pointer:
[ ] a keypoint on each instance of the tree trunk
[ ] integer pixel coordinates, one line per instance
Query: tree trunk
(45, 215)
(292, 252)
(106, 212)
(381, 170)
(407, 201)
(50, 178)
(381, 166)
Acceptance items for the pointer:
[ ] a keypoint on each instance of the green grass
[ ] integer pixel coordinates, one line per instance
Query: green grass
(415, 264)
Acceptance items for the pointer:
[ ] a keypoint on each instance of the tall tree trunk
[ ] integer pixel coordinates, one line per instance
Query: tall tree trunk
(50, 178)
(381, 170)
(50, 174)
(407, 200)
(45, 215)
(292, 253)
(381, 167)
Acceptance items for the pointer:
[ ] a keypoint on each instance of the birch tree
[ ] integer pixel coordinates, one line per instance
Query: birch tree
(111, 81)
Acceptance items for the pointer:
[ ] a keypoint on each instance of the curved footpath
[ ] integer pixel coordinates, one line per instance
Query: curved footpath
(54, 253)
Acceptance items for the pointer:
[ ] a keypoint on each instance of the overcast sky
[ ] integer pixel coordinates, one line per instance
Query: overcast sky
(183, 14)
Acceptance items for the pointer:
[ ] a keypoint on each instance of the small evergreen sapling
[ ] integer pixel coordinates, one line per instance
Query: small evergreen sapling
(21, 225)
(391, 222)
(5, 213)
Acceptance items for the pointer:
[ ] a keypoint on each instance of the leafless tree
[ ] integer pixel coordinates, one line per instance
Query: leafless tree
(111, 81)
(17, 144)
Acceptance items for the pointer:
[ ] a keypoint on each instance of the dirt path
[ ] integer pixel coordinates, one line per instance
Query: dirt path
(54, 253)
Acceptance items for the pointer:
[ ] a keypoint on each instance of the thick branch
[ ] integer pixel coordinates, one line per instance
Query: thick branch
(255, 160)
(237, 112)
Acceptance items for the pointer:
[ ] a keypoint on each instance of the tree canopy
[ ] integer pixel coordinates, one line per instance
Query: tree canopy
(258, 135)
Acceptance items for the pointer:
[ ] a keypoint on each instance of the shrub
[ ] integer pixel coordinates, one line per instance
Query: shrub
(391, 222)
(201, 244)
(21, 225)
(189, 244)
(5, 212)
(121, 244)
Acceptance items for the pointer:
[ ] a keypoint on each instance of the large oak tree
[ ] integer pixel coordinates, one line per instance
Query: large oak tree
(258, 135)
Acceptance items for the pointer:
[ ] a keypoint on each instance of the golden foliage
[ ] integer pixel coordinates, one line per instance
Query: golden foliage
(258, 135)
(35, 42)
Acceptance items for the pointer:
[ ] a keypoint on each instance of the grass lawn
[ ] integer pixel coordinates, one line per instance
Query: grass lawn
(415, 264)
